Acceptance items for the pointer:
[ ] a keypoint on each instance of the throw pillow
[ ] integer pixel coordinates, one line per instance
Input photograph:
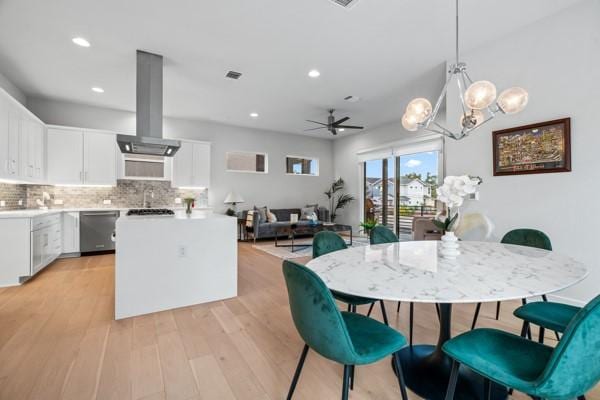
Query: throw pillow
(271, 217)
(250, 219)
(262, 213)
(307, 212)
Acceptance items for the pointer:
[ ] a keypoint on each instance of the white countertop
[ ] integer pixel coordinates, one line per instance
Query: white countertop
(414, 271)
(32, 213)
(198, 214)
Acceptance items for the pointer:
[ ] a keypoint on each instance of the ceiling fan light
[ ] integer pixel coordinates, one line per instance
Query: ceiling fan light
(420, 108)
(409, 122)
(480, 95)
(513, 100)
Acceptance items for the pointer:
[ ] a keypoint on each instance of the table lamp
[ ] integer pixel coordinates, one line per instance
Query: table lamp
(233, 198)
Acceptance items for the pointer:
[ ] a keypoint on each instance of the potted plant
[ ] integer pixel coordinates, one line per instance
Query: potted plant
(452, 193)
(189, 203)
(337, 199)
(368, 225)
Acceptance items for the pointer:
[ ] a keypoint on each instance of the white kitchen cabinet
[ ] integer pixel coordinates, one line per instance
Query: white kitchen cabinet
(70, 230)
(100, 158)
(79, 157)
(32, 135)
(4, 159)
(191, 165)
(14, 139)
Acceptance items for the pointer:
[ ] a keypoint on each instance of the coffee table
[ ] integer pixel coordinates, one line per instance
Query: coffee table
(293, 230)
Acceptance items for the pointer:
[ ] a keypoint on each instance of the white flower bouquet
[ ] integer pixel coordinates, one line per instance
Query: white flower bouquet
(452, 193)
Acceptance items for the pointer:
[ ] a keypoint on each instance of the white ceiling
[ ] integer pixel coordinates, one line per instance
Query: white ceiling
(373, 50)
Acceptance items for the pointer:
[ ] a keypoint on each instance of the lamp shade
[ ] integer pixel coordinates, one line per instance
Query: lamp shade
(233, 198)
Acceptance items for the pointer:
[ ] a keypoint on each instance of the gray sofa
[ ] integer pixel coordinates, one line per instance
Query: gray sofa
(267, 230)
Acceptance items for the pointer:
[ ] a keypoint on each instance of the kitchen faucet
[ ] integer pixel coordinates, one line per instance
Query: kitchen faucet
(145, 203)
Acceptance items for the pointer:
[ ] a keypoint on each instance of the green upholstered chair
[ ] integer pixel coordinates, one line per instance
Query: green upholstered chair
(546, 315)
(327, 242)
(522, 237)
(381, 235)
(347, 338)
(565, 372)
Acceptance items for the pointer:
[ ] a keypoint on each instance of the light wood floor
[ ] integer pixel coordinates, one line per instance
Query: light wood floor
(58, 340)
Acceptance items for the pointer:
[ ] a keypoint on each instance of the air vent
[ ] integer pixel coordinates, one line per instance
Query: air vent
(345, 3)
(233, 75)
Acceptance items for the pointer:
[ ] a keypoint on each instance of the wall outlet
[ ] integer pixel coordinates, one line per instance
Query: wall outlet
(2, 203)
(107, 202)
(177, 200)
(58, 202)
(182, 251)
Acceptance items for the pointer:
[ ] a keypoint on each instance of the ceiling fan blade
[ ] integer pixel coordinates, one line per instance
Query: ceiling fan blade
(316, 122)
(314, 129)
(341, 121)
(350, 127)
(333, 130)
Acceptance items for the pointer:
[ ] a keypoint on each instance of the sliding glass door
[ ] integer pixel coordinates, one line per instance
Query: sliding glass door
(401, 187)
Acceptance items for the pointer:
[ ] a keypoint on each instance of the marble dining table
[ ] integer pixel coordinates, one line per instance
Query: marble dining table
(415, 272)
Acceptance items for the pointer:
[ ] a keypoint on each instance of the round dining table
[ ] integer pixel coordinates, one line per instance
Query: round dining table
(416, 272)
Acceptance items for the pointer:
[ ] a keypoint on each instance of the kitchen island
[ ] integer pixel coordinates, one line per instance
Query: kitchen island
(166, 262)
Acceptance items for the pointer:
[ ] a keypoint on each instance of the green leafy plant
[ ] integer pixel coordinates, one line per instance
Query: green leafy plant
(368, 225)
(337, 200)
(447, 224)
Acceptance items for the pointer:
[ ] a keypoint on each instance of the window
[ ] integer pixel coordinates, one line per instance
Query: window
(240, 161)
(301, 166)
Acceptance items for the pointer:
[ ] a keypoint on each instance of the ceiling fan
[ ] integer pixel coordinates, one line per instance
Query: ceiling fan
(332, 125)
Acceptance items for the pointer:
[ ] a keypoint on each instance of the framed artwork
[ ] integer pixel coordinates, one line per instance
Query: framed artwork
(533, 149)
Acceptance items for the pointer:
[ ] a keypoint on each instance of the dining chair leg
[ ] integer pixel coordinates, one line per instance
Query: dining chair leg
(349, 307)
(398, 308)
(477, 309)
(346, 382)
(541, 337)
(487, 389)
(370, 309)
(352, 377)
(411, 316)
(557, 336)
(298, 371)
(453, 379)
(400, 375)
(524, 329)
(354, 308)
(497, 311)
(385, 318)
(437, 310)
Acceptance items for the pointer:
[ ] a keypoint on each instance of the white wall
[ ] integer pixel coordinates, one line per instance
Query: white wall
(558, 61)
(275, 189)
(12, 89)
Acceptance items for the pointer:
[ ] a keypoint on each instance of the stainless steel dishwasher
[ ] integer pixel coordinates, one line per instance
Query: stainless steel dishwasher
(96, 230)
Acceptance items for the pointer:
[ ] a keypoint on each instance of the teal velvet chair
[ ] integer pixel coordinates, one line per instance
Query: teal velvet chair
(381, 235)
(522, 237)
(327, 242)
(347, 338)
(565, 372)
(546, 315)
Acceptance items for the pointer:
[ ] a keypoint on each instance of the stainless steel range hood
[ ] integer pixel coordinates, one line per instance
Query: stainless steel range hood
(149, 111)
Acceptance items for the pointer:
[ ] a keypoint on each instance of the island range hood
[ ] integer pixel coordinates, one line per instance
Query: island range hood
(148, 139)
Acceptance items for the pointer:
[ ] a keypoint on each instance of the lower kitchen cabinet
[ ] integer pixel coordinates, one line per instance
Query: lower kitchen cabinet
(70, 230)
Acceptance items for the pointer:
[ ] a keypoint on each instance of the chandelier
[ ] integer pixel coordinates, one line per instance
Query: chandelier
(478, 100)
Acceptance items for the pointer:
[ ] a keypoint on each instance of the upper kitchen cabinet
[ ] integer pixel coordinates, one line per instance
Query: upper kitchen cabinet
(191, 165)
(22, 141)
(81, 157)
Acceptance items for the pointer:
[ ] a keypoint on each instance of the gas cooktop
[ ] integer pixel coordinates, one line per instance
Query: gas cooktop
(149, 211)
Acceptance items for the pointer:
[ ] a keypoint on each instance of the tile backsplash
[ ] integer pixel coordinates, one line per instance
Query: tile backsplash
(127, 193)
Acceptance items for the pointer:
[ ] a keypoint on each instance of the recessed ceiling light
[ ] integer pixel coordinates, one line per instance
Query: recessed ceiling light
(97, 90)
(313, 73)
(81, 42)
(254, 115)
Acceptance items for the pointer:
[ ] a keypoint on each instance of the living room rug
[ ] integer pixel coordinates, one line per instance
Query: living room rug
(285, 253)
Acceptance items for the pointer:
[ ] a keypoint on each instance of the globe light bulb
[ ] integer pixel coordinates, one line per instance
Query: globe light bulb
(513, 100)
(409, 122)
(480, 95)
(472, 119)
(420, 108)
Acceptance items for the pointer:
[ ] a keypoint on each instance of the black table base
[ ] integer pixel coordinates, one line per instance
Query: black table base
(426, 369)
